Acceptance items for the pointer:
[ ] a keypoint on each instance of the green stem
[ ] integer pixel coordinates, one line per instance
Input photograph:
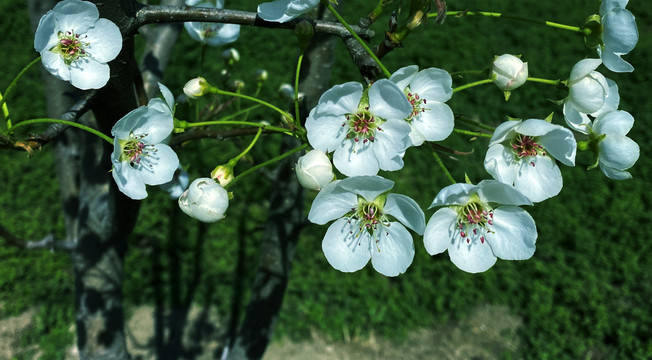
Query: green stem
(235, 160)
(546, 81)
(576, 29)
(472, 72)
(472, 133)
(65, 122)
(357, 38)
(215, 90)
(443, 167)
(475, 123)
(470, 85)
(184, 124)
(15, 80)
(268, 162)
(296, 92)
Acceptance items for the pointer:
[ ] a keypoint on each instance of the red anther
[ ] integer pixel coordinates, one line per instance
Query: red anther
(468, 240)
(462, 234)
(475, 231)
(490, 222)
(482, 239)
(532, 163)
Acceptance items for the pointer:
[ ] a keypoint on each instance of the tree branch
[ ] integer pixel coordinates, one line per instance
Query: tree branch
(150, 14)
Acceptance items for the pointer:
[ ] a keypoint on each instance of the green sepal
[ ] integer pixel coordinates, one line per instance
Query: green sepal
(179, 126)
(583, 145)
(467, 179)
(507, 94)
(549, 117)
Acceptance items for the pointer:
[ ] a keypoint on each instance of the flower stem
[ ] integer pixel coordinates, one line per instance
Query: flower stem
(235, 160)
(65, 122)
(184, 124)
(576, 29)
(472, 133)
(268, 162)
(297, 122)
(443, 167)
(470, 85)
(215, 90)
(357, 38)
(472, 72)
(557, 83)
(15, 80)
(475, 123)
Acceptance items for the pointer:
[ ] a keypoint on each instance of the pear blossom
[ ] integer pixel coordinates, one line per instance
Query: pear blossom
(619, 35)
(365, 226)
(509, 72)
(365, 133)
(205, 200)
(590, 93)
(285, 10)
(76, 44)
(139, 157)
(314, 170)
(212, 34)
(480, 223)
(427, 90)
(223, 174)
(523, 153)
(196, 87)
(615, 151)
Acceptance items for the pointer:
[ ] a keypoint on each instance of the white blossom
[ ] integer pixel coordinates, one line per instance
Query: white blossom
(285, 10)
(427, 90)
(616, 152)
(619, 35)
(205, 200)
(509, 72)
(76, 44)
(314, 170)
(213, 34)
(479, 224)
(361, 207)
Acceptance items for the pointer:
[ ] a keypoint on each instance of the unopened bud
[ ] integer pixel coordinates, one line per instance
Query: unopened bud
(314, 170)
(231, 56)
(196, 87)
(261, 75)
(509, 72)
(223, 174)
(205, 200)
(236, 85)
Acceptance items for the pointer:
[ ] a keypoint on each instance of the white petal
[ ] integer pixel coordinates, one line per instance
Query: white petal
(473, 257)
(403, 76)
(390, 144)
(407, 211)
(226, 34)
(128, 180)
(455, 194)
(436, 123)
(387, 101)
(105, 41)
(620, 31)
(535, 127)
(541, 181)
(369, 187)
(618, 152)
(326, 133)
(614, 174)
(493, 191)
(55, 65)
(433, 84)
(576, 120)
(340, 99)
(125, 125)
(504, 131)
(608, 5)
(583, 68)
(588, 94)
(155, 125)
(167, 95)
(501, 163)
(561, 144)
(46, 34)
(87, 74)
(362, 161)
(300, 7)
(394, 251)
(613, 61)
(274, 11)
(76, 15)
(515, 234)
(611, 101)
(344, 249)
(331, 203)
(194, 29)
(440, 231)
(614, 123)
(158, 166)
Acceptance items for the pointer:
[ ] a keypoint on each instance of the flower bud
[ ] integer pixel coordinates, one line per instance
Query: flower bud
(223, 174)
(231, 56)
(587, 88)
(314, 170)
(261, 75)
(196, 87)
(236, 85)
(287, 91)
(509, 72)
(205, 200)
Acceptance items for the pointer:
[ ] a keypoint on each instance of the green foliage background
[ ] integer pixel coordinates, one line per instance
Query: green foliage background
(586, 291)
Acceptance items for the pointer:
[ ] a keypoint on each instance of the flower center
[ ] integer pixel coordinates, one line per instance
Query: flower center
(133, 149)
(362, 126)
(210, 30)
(474, 221)
(525, 146)
(369, 216)
(70, 46)
(417, 103)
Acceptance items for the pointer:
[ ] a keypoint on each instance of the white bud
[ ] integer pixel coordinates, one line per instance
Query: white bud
(261, 75)
(196, 87)
(231, 55)
(287, 91)
(509, 72)
(314, 170)
(205, 200)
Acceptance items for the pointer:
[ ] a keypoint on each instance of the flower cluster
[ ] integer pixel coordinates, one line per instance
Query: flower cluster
(76, 44)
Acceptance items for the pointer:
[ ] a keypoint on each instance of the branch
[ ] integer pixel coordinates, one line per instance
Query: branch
(151, 14)
(48, 242)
